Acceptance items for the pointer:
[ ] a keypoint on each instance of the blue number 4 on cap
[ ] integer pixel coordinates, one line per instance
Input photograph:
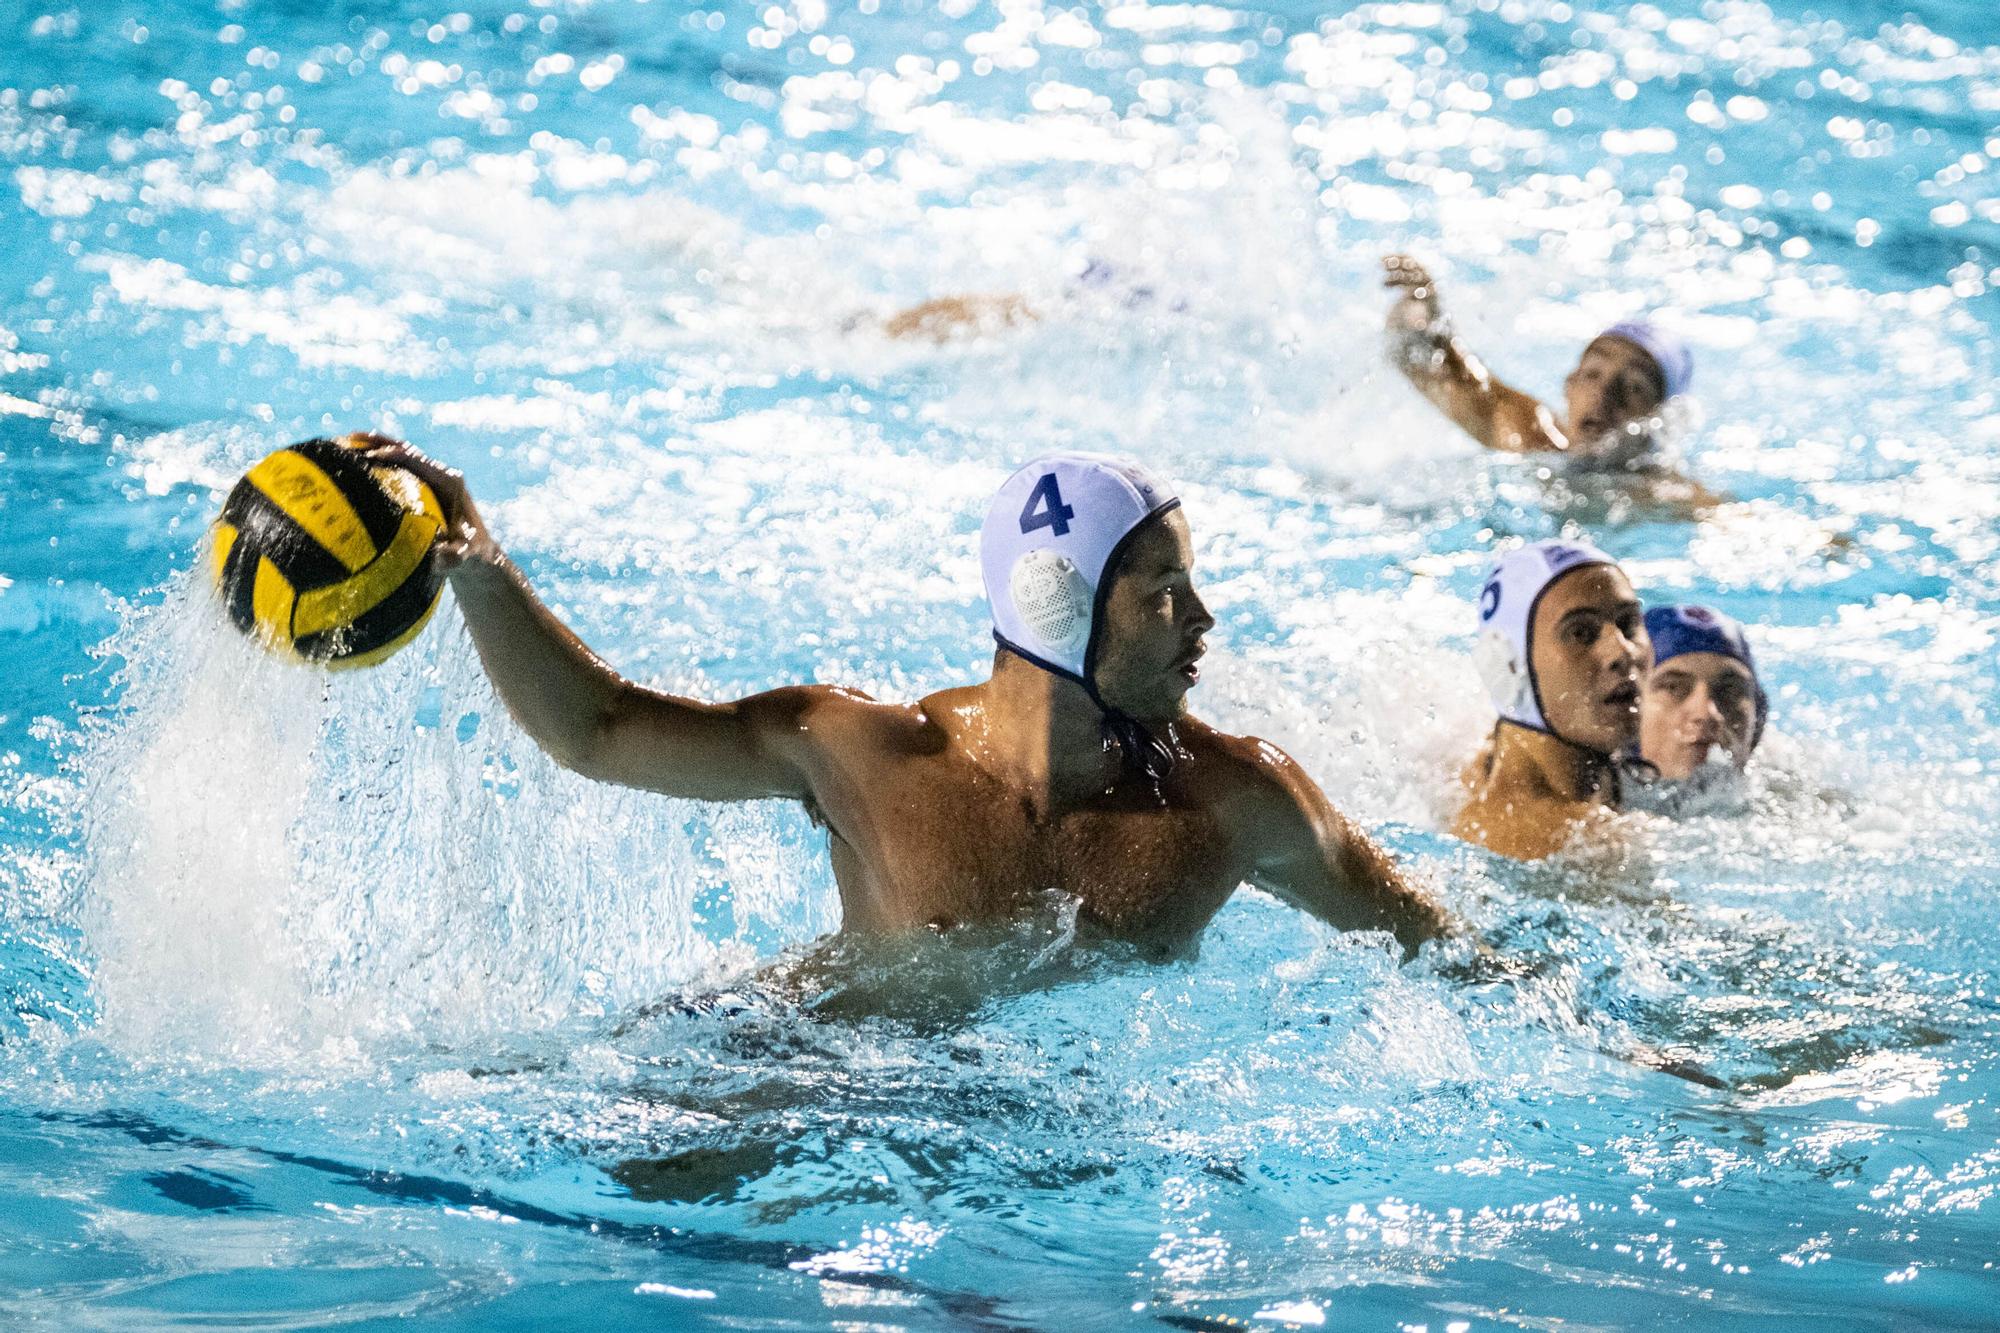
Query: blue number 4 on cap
(1045, 508)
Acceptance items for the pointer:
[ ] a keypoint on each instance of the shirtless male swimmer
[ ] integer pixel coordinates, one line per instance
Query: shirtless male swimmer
(1620, 382)
(1075, 768)
(1563, 652)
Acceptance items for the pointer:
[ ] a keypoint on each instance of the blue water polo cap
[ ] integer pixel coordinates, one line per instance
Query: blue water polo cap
(1696, 629)
(1687, 628)
(1668, 350)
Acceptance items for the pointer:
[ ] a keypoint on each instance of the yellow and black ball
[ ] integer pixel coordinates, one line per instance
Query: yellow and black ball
(321, 554)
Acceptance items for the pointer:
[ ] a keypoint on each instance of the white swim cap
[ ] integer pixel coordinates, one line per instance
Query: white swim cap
(1507, 603)
(1668, 350)
(1052, 534)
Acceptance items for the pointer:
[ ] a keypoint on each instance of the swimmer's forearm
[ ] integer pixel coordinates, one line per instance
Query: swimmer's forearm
(556, 688)
(1445, 371)
(595, 722)
(1399, 906)
(1360, 888)
(1309, 854)
(1377, 895)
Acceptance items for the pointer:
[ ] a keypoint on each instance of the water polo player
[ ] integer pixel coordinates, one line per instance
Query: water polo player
(1562, 650)
(1702, 706)
(977, 314)
(1611, 400)
(1075, 767)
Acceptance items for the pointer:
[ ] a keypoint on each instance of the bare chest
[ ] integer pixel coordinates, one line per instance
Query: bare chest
(945, 845)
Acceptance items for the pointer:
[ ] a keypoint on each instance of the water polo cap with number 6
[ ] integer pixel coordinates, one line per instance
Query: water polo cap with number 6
(1507, 602)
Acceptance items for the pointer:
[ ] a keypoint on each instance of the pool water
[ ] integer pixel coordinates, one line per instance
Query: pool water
(331, 1001)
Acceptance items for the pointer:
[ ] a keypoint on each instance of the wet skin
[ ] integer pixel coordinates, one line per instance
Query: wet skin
(1693, 702)
(1615, 385)
(1588, 649)
(972, 804)
(1610, 403)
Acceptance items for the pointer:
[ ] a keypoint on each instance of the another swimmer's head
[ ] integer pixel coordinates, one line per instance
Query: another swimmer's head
(1624, 376)
(1702, 700)
(1088, 566)
(1562, 644)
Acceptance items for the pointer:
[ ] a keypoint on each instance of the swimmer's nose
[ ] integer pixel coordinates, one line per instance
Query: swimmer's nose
(1626, 654)
(1200, 622)
(1708, 717)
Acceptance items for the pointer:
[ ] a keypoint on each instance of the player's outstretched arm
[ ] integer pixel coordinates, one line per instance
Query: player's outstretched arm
(587, 716)
(1445, 371)
(1307, 853)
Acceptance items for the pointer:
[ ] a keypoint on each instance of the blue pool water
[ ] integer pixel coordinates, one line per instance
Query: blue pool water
(332, 1001)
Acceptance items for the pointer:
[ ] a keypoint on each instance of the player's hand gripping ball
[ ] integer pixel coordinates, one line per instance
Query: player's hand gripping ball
(325, 555)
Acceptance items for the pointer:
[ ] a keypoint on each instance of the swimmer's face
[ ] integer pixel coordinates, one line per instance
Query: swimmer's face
(1589, 653)
(1692, 702)
(1151, 635)
(1615, 384)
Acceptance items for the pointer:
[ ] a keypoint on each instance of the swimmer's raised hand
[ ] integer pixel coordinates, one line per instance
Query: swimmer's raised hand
(1407, 272)
(1418, 309)
(465, 537)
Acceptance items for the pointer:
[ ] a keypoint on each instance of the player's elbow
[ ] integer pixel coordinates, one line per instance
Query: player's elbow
(585, 738)
(581, 747)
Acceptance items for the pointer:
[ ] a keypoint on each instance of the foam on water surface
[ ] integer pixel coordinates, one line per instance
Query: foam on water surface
(333, 997)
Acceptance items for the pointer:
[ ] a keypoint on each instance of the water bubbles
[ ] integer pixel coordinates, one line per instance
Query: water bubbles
(638, 280)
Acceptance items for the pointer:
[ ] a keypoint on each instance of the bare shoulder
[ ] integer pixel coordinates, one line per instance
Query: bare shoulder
(923, 727)
(1527, 826)
(806, 702)
(837, 707)
(802, 717)
(827, 729)
(1246, 772)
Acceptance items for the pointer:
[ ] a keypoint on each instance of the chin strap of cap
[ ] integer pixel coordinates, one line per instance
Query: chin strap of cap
(1141, 748)
(1135, 741)
(1631, 764)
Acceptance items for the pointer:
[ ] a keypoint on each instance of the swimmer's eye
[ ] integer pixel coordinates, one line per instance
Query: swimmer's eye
(1730, 695)
(1675, 687)
(1639, 391)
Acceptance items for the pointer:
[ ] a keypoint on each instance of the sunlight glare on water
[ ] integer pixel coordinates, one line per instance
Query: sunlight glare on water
(332, 999)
